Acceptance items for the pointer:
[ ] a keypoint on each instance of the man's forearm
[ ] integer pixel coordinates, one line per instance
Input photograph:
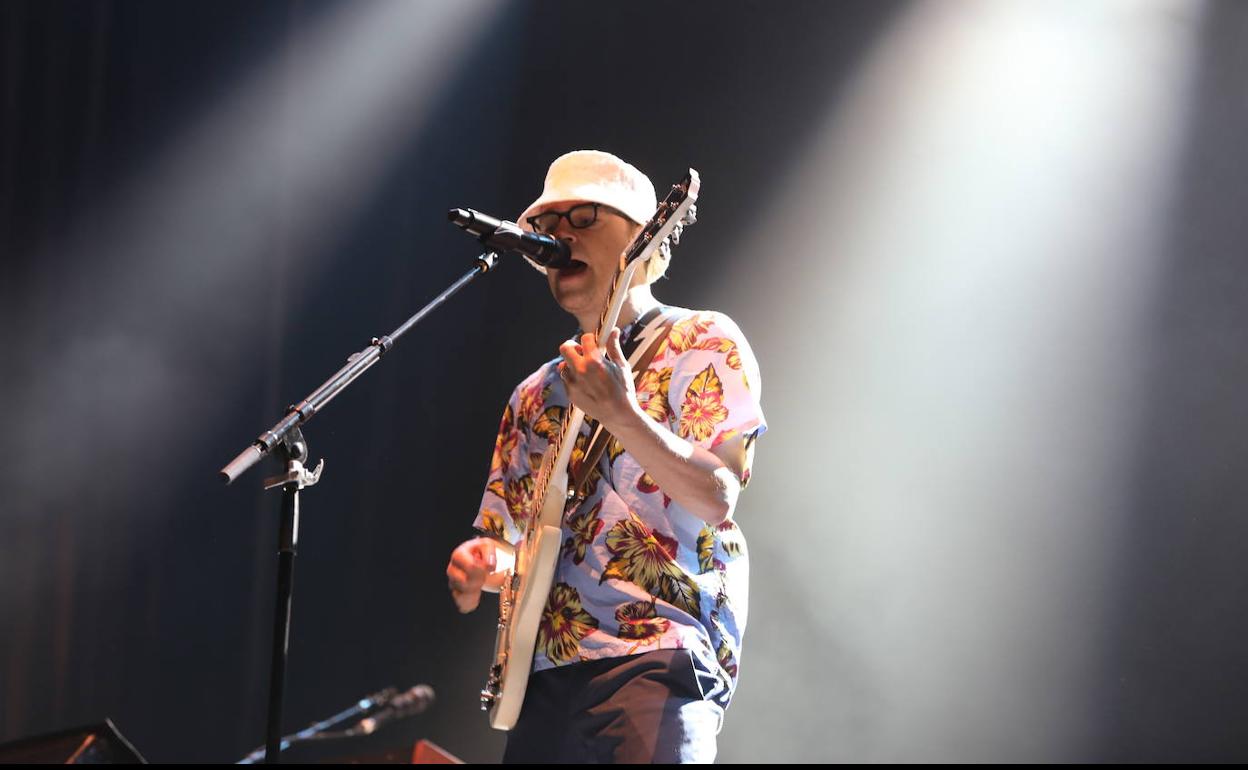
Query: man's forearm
(692, 476)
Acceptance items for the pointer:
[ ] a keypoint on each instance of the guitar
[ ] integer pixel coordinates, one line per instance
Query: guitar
(527, 582)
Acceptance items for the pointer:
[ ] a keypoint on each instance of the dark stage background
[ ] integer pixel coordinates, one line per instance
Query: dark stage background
(149, 334)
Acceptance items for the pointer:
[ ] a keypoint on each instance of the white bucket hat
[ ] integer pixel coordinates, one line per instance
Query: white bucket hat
(596, 177)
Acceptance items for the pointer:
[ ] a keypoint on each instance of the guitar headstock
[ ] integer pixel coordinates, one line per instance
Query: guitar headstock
(674, 213)
(690, 217)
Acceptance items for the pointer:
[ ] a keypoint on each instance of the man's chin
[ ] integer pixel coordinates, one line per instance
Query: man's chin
(577, 301)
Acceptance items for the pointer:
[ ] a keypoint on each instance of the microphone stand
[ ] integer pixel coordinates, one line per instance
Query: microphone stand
(318, 729)
(288, 440)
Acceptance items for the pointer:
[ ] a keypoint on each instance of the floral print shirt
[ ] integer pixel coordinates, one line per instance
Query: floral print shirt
(636, 571)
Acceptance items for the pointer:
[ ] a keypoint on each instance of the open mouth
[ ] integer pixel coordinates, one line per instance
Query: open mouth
(575, 267)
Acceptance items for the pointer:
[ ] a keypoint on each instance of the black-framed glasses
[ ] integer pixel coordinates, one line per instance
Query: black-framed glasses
(579, 216)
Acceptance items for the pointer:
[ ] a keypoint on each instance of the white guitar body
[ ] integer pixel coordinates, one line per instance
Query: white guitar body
(521, 600)
(526, 585)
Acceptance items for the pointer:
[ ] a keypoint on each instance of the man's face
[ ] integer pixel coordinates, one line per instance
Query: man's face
(581, 288)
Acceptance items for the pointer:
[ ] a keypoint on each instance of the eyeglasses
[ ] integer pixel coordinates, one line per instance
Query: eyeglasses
(579, 216)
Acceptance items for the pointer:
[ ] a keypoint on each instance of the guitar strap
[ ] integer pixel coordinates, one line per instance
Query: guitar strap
(654, 325)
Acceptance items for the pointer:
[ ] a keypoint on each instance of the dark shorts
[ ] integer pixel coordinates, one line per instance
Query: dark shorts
(640, 709)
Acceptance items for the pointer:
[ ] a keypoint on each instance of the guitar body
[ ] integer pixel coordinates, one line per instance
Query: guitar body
(521, 600)
(526, 585)
(520, 605)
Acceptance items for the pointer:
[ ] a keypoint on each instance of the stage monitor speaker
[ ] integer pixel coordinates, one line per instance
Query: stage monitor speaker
(99, 744)
(430, 753)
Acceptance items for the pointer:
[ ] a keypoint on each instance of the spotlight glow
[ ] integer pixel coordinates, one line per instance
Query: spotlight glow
(966, 262)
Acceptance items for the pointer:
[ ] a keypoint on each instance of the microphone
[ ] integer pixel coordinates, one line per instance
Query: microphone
(377, 709)
(508, 236)
(401, 706)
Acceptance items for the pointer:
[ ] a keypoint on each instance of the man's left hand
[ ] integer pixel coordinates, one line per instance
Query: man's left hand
(598, 378)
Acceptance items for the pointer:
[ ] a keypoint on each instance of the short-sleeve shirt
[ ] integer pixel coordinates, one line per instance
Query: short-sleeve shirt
(636, 571)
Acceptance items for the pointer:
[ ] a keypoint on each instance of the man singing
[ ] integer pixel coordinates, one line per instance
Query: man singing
(639, 643)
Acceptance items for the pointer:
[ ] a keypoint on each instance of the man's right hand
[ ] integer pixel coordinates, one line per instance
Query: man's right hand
(471, 564)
